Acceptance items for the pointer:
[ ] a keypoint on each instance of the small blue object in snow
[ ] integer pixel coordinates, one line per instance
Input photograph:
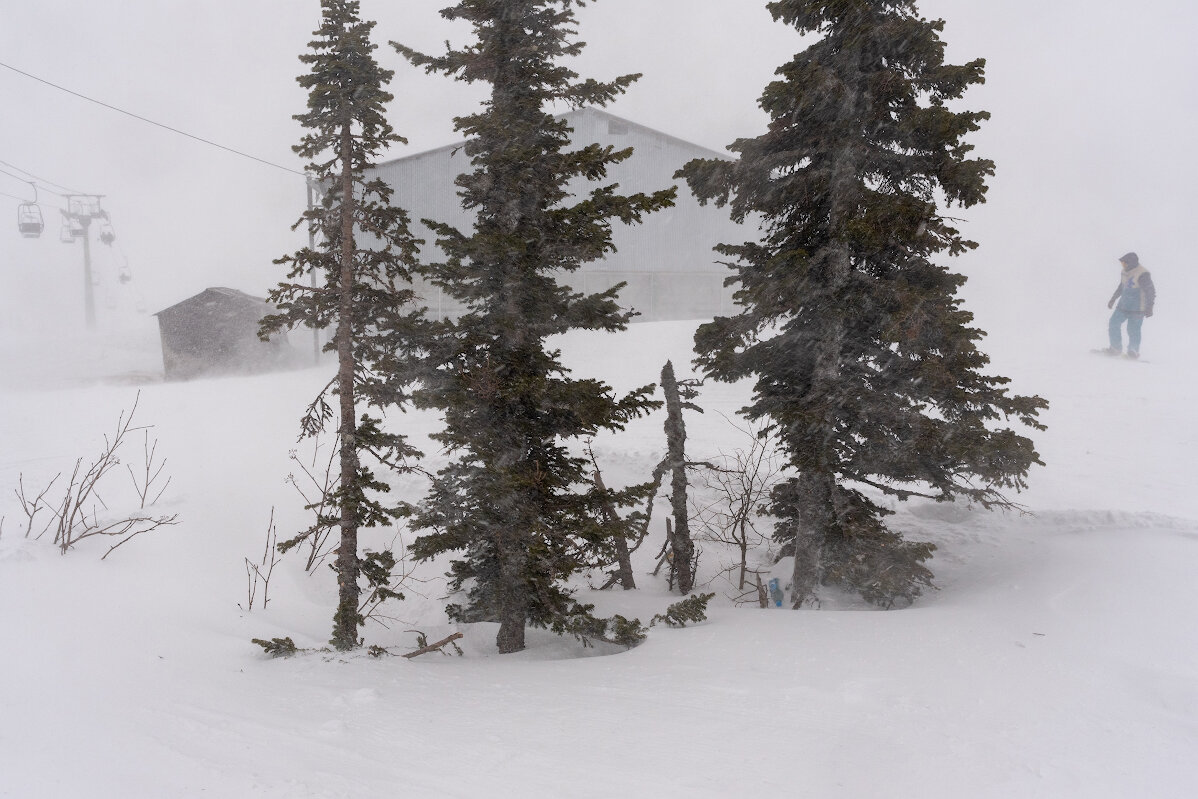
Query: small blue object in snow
(776, 592)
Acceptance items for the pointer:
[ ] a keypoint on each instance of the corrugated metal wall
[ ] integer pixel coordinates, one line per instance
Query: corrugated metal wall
(667, 261)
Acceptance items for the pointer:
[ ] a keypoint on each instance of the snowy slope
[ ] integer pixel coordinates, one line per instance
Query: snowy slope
(1056, 659)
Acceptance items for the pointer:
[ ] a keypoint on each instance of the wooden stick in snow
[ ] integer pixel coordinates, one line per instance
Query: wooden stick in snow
(424, 650)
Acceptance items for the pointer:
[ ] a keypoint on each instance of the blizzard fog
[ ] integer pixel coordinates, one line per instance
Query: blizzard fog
(1056, 659)
(1093, 111)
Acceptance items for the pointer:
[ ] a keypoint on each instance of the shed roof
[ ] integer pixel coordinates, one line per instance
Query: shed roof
(218, 293)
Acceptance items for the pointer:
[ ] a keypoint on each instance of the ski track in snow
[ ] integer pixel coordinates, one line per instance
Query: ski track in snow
(1054, 659)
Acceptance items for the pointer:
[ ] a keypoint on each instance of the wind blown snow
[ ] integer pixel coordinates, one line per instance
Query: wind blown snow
(1056, 659)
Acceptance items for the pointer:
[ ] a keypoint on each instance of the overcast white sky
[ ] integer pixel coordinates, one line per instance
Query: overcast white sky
(1094, 105)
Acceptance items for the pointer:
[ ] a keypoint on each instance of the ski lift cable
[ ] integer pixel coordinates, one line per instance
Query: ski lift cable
(42, 180)
(13, 197)
(151, 122)
(35, 184)
(22, 200)
(24, 180)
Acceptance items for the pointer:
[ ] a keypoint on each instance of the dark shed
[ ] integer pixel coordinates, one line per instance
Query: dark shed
(216, 332)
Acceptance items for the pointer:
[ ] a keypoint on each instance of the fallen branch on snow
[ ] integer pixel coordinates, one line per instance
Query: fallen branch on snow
(424, 650)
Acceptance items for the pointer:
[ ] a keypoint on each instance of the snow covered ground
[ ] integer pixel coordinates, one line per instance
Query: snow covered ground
(1057, 659)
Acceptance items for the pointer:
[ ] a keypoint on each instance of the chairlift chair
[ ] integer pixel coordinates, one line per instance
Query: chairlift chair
(71, 229)
(29, 220)
(84, 205)
(107, 234)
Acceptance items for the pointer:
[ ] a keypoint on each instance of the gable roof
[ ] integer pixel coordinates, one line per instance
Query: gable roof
(218, 293)
(579, 114)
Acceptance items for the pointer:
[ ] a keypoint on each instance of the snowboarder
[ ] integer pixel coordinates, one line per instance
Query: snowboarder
(1135, 297)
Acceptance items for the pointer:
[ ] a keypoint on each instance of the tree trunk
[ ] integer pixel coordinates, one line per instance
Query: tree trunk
(345, 620)
(512, 600)
(680, 541)
(511, 633)
(817, 480)
(816, 516)
(743, 543)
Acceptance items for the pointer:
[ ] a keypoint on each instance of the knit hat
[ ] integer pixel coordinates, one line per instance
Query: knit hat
(1131, 260)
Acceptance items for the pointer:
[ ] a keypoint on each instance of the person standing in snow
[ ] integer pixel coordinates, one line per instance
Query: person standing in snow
(1132, 301)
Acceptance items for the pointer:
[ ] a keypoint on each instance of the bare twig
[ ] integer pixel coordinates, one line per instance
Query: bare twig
(150, 473)
(258, 574)
(754, 592)
(32, 508)
(400, 572)
(321, 487)
(131, 528)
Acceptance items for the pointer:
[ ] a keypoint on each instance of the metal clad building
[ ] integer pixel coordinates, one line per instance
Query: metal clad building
(668, 262)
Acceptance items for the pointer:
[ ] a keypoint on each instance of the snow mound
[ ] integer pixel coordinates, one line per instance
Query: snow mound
(1053, 660)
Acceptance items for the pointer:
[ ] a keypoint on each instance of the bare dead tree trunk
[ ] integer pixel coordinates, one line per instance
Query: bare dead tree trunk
(680, 540)
(345, 620)
(623, 574)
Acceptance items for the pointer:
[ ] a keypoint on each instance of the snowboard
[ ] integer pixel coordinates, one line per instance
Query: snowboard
(1120, 357)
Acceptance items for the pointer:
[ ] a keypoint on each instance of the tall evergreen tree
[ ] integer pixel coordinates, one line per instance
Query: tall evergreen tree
(362, 268)
(865, 363)
(516, 502)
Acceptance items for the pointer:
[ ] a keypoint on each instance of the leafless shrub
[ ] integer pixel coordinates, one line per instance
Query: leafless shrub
(754, 591)
(258, 574)
(738, 484)
(81, 511)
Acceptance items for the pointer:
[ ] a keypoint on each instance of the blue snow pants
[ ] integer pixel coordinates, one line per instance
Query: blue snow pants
(1135, 321)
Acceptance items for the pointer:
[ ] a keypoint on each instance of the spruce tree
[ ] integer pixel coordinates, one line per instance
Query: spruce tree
(361, 274)
(516, 502)
(865, 363)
